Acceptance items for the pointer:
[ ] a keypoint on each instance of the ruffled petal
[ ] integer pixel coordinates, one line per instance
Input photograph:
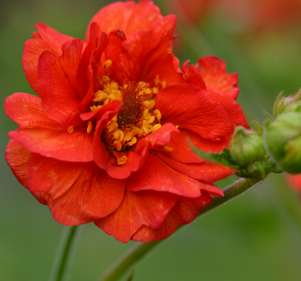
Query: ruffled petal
(156, 175)
(183, 212)
(213, 71)
(18, 157)
(42, 135)
(59, 101)
(206, 171)
(33, 48)
(91, 59)
(193, 77)
(194, 109)
(138, 208)
(77, 192)
(231, 106)
(101, 153)
(70, 59)
(129, 17)
(181, 150)
(138, 154)
(54, 38)
(147, 54)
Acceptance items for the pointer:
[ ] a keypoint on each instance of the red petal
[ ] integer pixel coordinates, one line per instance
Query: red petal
(137, 155)
(91, 57)
(129, 17)
(182, 151)
(145, 53)
(78, 192)
(183, 212)
(193, 77)
(101, 153)
(54, 38)
(72, 52)
(213, 71)
(33, 48)
(17, 157)
(113, 52)
(156, 175)
(59, 101)
(195, 110)
(231, 106)
(36, 35)
(42, 135)
(206, 171)
(138, 208)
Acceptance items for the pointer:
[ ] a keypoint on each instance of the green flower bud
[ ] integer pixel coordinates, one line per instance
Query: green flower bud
(283, 139)
(287, 104)
(247, 146)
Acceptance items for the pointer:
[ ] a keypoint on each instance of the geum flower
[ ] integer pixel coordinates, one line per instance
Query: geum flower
(106, 140)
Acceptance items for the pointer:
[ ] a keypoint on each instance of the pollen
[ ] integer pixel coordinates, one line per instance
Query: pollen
(137, 116)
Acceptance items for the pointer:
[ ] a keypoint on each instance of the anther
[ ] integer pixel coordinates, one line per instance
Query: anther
(70, 129)
(158, 114)
(107, 64)
(168, 149)
(155, 90)
(105, 78)
(89, 128)
(156, 127)
(122, 160)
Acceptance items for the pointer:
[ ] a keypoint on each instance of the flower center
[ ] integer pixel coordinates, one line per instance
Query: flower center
(136, 118)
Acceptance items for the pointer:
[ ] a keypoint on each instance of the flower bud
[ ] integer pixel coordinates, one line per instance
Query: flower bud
(287, 104)
(247, 146)
(283, 139)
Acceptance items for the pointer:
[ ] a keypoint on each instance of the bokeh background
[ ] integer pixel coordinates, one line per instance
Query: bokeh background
(256, 237)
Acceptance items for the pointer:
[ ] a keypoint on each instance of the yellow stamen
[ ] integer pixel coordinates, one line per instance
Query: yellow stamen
(89, 128)
(107, 64)
(158, 114)
(120, 160)
(137, 117)
(156, 127)
(105, 78)
(168, 149)
(70, 129)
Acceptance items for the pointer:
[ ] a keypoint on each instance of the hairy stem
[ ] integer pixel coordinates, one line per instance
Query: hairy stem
(140, 249)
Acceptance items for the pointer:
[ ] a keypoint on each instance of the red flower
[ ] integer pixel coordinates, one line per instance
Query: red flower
(106, 140)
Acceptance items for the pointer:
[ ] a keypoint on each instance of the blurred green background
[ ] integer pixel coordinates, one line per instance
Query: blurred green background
(256, 237)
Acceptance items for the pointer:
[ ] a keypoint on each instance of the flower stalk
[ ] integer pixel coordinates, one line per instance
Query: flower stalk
(141, 249)
(64, 254)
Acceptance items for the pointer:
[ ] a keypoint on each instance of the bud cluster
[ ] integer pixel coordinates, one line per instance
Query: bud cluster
(276, 149)
(283, 134)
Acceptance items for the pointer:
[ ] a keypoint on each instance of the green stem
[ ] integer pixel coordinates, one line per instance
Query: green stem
(64, 253)
(140, 249)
